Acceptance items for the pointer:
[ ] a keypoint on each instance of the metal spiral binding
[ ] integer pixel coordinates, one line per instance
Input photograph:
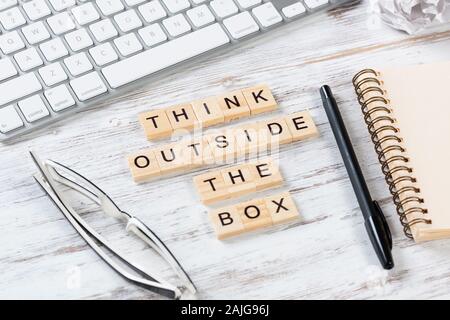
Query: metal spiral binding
(367, 81)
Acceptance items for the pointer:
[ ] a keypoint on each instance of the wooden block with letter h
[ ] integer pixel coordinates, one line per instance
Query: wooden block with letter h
(253, 215)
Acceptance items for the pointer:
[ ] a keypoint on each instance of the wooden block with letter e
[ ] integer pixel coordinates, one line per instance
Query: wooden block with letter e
(301, 126)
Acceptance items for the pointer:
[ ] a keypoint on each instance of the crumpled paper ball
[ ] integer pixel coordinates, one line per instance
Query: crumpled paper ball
(413, 15)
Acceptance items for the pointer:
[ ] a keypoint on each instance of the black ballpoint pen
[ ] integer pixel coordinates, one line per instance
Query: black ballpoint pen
(374, 220)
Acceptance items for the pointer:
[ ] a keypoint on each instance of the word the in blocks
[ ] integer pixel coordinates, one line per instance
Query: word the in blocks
(221, 147)
(252, 215)
(207, 112)
(238, 180)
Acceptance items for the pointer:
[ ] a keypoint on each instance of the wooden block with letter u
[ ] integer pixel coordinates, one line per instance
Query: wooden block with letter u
(252, 215)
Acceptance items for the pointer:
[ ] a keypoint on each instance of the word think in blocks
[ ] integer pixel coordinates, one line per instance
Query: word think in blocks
(207, 112)
(252, 215)
(237, 181)
(222, 146)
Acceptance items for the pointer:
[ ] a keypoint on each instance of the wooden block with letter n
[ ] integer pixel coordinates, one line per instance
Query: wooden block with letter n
(234, 105)
(156, 124)
(301, 126)
(259, 99)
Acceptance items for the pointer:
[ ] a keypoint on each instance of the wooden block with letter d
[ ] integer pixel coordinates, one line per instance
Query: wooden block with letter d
(259, 99)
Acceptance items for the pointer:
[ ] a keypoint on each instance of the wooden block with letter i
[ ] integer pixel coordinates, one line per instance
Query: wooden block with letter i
(259, 99)
(211, 187)
(233, 105)
(208, 111)
(227, 222)
(144, 166)
(156, 124)
(281, 208)
(301, 126)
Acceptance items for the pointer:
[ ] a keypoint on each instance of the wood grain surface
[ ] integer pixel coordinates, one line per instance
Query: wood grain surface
(327, 255)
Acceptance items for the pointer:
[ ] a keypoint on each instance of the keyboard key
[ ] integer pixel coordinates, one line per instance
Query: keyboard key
(133, 2)
(198, 1)
(17, 88)
(103, 54)
(59, 98)
(60, 5)
(88, 86)
(128, 20)
(78, 64)
(86, 13)
(5, 4)
(52, 74)
(108, 7)
(33, 108)
(28, 59)
(128, 44)
(36, 9)
(61, 23)
(11, 42)
(176, 25)
(248, 3)
(224, 8)
(7, 69)
(152, 34)
(103, 30)
(79, 40)
(12, 18)
(175, 6)
(313, 4)
(200, 16)
(165, 55)
(152, 11)
(267, 15)
(241, 25)
(53, 49)
(35, 33)
(294, 10)
(9, 119)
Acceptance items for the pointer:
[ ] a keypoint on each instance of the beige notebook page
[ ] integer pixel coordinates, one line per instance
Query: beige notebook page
(420, 98)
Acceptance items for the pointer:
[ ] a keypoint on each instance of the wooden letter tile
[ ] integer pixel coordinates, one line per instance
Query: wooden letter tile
(223, 146)
(246, 137)
(259, 99)
(172, 158)
(197, 151)
(156, 124)
(254, 214)
(211, 187)
(239, 180)
(301, 126)
(227, 222)
(281, 208)
(143, 165)
(233, 105)
(267, 173)
(181, 117)
(208, 111)
(278, 130)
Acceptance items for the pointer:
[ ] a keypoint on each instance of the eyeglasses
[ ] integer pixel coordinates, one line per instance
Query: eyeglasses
(52, 173)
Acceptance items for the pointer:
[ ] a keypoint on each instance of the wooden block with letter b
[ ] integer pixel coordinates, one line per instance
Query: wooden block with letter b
(226, 222)
(301, 126)
(259, 99)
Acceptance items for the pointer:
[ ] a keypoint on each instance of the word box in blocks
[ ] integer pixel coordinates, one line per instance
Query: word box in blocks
(221, 147)
(207, 112)
(252, 215)
(238, 180)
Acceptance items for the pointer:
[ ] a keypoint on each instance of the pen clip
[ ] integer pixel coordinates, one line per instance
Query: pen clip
(384, 223)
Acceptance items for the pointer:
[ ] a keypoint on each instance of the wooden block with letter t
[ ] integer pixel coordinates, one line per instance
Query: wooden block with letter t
(301, 126)
(259, 99)
(233, 105)
(281, 208)
(144, 166)
(156, 124)
(226, 222)
(211, 187)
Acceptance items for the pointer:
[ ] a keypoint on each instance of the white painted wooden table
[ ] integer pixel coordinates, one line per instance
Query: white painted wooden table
(328, 255)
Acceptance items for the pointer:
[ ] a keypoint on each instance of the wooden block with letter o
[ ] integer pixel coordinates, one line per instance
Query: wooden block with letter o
(144, 166)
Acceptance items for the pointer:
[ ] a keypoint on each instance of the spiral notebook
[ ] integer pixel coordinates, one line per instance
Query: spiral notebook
(407, 111)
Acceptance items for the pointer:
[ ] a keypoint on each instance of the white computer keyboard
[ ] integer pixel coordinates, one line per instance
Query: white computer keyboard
(59, 56)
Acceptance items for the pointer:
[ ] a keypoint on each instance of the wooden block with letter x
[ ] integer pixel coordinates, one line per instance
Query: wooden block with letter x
(281, 208)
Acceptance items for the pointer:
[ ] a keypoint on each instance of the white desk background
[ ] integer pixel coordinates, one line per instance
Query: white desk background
(328, 255)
